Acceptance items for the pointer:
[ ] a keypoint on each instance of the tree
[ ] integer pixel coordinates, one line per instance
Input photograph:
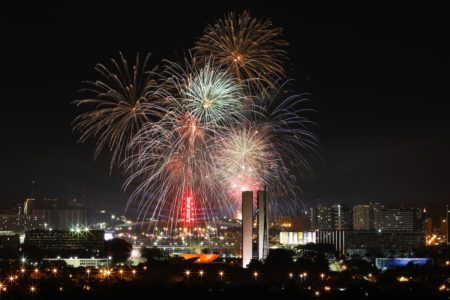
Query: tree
(118, 249)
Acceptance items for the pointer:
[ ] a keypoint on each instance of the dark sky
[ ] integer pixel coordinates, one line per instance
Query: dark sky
(378, 75)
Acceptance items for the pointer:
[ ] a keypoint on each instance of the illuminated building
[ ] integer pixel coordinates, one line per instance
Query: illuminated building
(447, 209)
(29, 206)
(66, 240)
(342, 217)
(321, 218)
(9, 241)
(366, 216)
(20, 223)
(444, 228)
(390, 263)
(398, 219)
(263, 230)
(429, 227)
(247, 227)
(297, 238)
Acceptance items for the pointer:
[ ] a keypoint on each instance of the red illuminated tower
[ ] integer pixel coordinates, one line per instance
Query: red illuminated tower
(188, 211)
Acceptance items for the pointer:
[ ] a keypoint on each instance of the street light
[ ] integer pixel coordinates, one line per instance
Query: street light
(322, 276)
(255, 274)
(32, 289)
(201, 272)
(291, 275)
(221, 273)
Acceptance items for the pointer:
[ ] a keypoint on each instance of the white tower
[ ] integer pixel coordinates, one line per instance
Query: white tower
(263, 228)
(247, 227)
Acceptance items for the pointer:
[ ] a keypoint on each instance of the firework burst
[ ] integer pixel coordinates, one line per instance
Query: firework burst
(121, 101)
(250, 48)
(212, 95)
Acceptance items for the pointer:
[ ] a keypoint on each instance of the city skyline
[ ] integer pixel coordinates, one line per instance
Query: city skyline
(375, 149)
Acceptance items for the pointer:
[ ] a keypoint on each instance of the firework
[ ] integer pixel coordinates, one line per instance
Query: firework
(203, 130)
(250, 48)
(212, 95)
(121, 101)
(267, 150)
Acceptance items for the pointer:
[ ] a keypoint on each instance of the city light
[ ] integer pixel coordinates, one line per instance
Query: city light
(33, 289)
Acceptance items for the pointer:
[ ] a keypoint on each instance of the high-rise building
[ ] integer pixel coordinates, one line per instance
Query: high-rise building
(263, 228)
(397, 219)
(247, 228)
(429, 228)
(444, 228)
(342, 217)
(28, 206)
(362, 217)
(321, 218)
(366, 216)
(447, 209)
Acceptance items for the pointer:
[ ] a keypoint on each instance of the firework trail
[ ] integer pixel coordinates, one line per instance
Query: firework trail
(121, 101)
(250, 48)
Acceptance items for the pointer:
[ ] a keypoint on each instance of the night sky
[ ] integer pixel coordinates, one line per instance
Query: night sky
(378, 78)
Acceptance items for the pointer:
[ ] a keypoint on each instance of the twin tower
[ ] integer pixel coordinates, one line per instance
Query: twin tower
(247, 226)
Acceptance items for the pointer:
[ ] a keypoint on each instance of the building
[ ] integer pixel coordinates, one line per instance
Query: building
(263, 225)
(361, 242)
(366, 216)
(342, 217)
(28, 206)
(21, 223)
(76, 262)
(391, 263)
(70, 216)
(247, 227)
(293, 238)
(447, 222)
(429, 227)
(398, 219)
(444, 228)
(66, 240)
(321, 218)
(9, 242)
(362, 217)
(332, 237)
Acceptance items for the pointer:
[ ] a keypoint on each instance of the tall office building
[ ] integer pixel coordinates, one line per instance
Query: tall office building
(342, 217)
(28, 206)
(447, 209)
(398, 219)
(366, 216)
(321, 218)
(362, 217)
(263, 228)
(429, 227)
(444, 228)
(247, 227)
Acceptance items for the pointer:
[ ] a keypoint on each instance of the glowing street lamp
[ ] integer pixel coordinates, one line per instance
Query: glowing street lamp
(201, 272)
(88, 272)
(221, 274)
(33, 289)
(255, 275)
(291, 275)
(322, 276)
